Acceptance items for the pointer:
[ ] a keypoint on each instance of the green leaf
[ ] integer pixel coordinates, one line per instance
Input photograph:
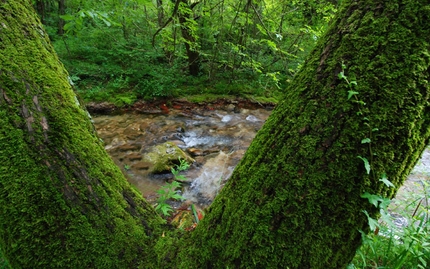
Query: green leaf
(366, 164)
(366, 140)
(166, 209)
(67, 17)
(343, 66)
(196, 216)
(352, 93)
(373, 199)
(180, 177)
(108, 24)
(386, 181)
(161, 191)
(177, 196)
(90, 14)
(373, 224)
(163, 208)
(175, 184)
(68, 26)
(79, 23)
(341, 75)
(353, 83)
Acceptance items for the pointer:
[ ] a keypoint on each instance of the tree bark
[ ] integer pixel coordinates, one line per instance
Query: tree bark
(160, 13)
(61, 11)
(184, 16)
(63, 202)
(294, 201)
(40, 7)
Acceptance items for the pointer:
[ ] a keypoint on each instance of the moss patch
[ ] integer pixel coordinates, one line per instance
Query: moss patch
(163, 157)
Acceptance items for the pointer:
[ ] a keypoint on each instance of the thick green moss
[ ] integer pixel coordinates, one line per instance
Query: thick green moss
(63, 202)
(294, 200)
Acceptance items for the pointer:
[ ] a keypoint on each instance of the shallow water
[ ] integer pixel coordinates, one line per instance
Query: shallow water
(216, 139)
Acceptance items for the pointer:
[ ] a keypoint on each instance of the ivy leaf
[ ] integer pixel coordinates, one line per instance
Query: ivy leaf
(373, 199)
(366, 140)
(384, 204)
(366, 164)
(351, 94)
(386, 181)
(341, 75)
(373, 223)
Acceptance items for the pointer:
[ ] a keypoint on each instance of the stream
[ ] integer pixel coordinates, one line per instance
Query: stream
(216, 138)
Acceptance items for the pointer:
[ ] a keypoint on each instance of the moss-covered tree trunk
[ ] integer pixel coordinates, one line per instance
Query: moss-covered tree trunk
(294, 200)
(63, 202)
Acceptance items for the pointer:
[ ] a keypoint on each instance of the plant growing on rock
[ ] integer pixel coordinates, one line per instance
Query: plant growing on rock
(168, 191)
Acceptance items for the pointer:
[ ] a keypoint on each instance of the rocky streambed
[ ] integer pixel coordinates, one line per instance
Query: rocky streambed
(214, 135)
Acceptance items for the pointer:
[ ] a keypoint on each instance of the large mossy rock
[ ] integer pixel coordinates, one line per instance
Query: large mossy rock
(163, 157)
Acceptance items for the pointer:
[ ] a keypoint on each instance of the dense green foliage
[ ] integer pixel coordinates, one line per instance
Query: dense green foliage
(121, 51)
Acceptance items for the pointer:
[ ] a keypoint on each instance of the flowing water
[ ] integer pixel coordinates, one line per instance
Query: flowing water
(216, 139)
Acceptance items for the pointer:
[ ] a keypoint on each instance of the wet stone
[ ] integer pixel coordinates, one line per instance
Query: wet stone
(195, 152)
(141, 165)
(178, 143)
(128, 147)
(134, 157)
(132, 132)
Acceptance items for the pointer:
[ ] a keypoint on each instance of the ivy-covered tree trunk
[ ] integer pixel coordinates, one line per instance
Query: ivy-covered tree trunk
(63, 202)
(294, 201)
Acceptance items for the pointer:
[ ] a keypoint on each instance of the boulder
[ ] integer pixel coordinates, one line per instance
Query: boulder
(164, 156)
